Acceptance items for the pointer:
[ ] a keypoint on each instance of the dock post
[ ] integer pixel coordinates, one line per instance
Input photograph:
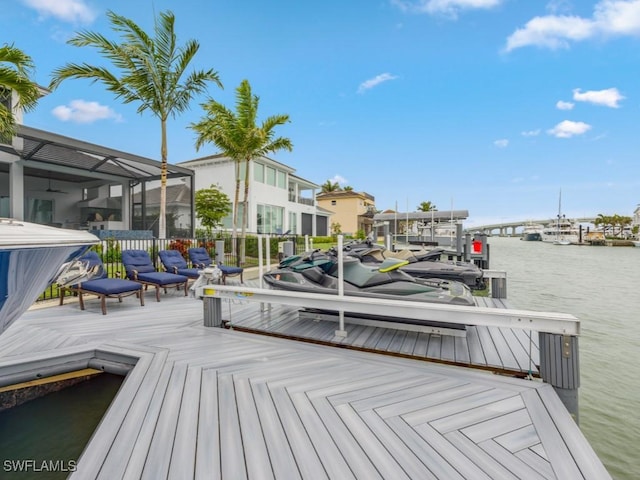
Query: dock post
(212, 311)
(560, 367)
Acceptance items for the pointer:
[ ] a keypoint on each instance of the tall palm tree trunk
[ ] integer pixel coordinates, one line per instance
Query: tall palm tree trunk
(162, 221)
(236, 206)
(245, 211)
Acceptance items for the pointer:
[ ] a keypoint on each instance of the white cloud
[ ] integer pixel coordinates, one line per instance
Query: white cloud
(608, 98)
(375, 81)
(443, 7)
(561, 105)
(610, 18)
(502, 143)
(531, 133)
(568, 129)
(80, 111)
(74, 11)
(339, 179)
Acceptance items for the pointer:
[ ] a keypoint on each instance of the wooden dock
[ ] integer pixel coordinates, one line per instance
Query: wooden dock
(202, 402)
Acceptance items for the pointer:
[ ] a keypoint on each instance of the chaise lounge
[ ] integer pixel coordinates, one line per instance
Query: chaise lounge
(174, 262)
(101, 285)
(140, 268)
(200, 259)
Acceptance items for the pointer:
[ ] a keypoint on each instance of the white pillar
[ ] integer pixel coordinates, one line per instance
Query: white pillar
(126, 206)
(16, 190)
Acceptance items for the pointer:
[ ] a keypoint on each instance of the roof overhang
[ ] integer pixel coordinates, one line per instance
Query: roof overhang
(47, 149)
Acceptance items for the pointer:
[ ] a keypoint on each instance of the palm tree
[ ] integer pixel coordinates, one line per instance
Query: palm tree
(426, 206)
(238, 137)
(152, 72)
(329, 186)
(15, 69)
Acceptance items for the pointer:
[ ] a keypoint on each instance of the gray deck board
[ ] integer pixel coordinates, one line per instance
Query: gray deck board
(217, 403)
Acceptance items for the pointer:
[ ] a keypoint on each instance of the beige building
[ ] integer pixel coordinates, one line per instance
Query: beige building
(352, 210)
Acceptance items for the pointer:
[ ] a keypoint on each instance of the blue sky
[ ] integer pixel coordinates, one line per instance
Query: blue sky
(487, 105)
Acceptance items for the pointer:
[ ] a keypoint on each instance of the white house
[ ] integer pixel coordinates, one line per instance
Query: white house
(279, 200)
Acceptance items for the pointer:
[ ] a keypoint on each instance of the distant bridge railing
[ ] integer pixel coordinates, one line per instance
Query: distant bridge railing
(522, 223)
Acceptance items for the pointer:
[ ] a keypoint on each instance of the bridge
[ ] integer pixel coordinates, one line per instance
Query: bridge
(509, 228)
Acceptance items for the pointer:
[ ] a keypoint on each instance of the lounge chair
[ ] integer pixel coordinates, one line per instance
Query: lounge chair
(101, 285)
(174, 262)
(139, 268)
(200, 259)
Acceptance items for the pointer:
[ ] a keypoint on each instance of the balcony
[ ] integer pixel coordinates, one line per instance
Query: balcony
(302, 200)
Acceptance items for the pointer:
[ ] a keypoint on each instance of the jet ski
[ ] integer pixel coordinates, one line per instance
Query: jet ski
(423, 266)
(317, 272)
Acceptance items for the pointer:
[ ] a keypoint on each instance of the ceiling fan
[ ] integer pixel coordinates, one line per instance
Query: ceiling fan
(53, 190)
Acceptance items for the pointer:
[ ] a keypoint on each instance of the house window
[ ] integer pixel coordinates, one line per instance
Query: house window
(258, 172)
(271, 176)
(282, 179)
(39, 211)
(293, 222)
(333, 202)
(269, 219)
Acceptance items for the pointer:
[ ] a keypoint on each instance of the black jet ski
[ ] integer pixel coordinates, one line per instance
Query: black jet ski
(424, 266)
(317, 272)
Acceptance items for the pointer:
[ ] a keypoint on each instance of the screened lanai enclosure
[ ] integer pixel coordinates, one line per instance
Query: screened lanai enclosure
(55, 180)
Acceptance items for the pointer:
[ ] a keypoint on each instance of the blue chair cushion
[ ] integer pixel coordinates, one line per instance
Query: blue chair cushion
(138, 260)
(93, 260)
(230, 270)
(172, 259)
(200, 256)
(189, 272)
(110, 286)
(161, 278)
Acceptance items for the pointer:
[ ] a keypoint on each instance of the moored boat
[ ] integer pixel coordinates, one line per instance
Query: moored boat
(31, 256)
(532, 232)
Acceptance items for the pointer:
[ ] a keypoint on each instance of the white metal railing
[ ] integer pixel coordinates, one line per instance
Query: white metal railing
(558, 323)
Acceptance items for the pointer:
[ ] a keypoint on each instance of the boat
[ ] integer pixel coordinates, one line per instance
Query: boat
(561, 231)
(636, 243)
(32, 256)
(421, 264)
(532, 232)
(317, 272)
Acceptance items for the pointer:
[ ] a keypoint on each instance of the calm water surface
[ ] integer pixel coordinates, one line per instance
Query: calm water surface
(600, 286)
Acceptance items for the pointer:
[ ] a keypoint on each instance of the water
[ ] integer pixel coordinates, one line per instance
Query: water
(600, 286)
(50, 432)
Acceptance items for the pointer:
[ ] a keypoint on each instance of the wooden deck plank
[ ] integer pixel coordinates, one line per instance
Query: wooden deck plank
(489, 349)
(207, 462)
(458, 420)
(376, 451)
(483, 461)
(539, 464)
(231, 450)
(183, 454)
(253, 441)
(430, 457)
(128, 452)
(282, 459)
(159, 456)
(411, 463)
(352, 442)
(496, 426)
(430, 399)
(486, 398)
(519, 468)
(307, 459)
(449, 453)
(564, 438)
(334, 463)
